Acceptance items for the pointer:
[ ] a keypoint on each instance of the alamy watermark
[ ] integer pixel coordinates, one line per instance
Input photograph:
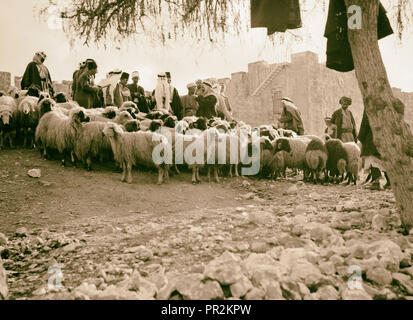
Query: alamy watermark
(54, 283)
(209, 147)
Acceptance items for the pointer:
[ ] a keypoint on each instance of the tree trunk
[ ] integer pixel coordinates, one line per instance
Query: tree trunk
(391, 134)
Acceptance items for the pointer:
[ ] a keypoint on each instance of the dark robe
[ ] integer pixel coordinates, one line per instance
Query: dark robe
(176, 105)
(31, 78)
(138, 97)
(207, 106)
(368, 148)
(339, 56)
(337, 119)
(86, 93)
(275, 15)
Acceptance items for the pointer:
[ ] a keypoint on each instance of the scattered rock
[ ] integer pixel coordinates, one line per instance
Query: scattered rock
(259, 247)
(379, 275)
(292, 190)
(355, 294)
(404, 282)
(255, 294)
(225, 269)
(379, 223)
(22, 231)
(309, 274)
(34, 173)
(327, 293)
(72, 247)
(273, 291)
(240, 288)
(327, 268)
(388, 253)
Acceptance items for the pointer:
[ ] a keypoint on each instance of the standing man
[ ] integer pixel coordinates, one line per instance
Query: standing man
(37, 75)
(86, 91)
(138, 93)
(162, 94)
(109, 85)
(122, 92)
(189, 104)
(175, 100)
(344, 120)
(291, 117)
(207, 102)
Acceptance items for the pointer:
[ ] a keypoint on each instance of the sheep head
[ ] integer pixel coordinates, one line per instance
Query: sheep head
(282, 145)
(155, 125)
(46, 105)
(129, 105)
(110, 112)
(112, 131)
(201, 123)
(123, 117)
(265, 143)
(170, 121)
(79, 116)
(132, 126)
(61, 97)
(5, 116)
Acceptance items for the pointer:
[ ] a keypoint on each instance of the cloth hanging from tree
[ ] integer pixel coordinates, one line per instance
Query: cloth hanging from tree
(339, 56)
(275, 15)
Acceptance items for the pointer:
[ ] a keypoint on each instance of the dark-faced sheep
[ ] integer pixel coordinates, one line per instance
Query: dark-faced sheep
(337, 160)
(132, 148)
(316, 158)
(295, 149)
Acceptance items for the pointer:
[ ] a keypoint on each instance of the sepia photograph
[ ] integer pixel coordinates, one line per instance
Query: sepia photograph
(217, 151)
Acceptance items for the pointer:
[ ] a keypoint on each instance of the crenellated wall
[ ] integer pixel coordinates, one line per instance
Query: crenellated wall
(315, 89)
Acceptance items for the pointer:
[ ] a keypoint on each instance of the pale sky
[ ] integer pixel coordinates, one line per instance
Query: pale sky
(22, 34)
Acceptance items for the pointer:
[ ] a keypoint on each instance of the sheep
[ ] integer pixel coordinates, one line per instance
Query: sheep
(59, 132)
(122, 118)
(337, 159)
(8, 126)
(316, 158)
(294, 156)
(91, 143)
(130, 107)
(131, 148)
(61, 97)
(287, 133)
(353, 164)
(132, 125)
(110, 112)
(267, 157)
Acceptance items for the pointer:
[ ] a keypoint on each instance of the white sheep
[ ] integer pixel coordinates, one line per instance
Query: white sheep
(294, 156)
(59, 132)
(131, 148)
(91, 143)
(354, 161)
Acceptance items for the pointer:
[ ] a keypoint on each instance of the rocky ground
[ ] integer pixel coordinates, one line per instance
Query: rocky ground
(73, 234)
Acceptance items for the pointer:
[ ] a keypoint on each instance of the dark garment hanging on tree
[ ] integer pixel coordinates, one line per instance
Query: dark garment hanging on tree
(275, 15)
(339, 56)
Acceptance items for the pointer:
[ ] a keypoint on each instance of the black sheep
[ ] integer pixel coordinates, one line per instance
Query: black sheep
(337, 159)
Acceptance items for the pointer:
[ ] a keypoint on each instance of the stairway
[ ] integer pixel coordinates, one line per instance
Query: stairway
(272, 75)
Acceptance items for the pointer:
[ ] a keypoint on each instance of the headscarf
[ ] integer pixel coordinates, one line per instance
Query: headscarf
(161, 92)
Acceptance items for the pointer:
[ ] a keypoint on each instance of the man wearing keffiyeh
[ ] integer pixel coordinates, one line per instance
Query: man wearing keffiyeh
(37, 75)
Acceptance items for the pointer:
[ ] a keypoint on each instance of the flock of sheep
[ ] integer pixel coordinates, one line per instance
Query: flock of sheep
(60, 129)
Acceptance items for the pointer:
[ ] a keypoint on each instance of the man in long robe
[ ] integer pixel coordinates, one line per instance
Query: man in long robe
(138, 93)
(37, 75)
(162, 94)
(175, 101)
(291, 117)
(189, 104)
(344, 120)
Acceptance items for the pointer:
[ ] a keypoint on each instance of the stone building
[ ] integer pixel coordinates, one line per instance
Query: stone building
(5, 80)
(255, 96)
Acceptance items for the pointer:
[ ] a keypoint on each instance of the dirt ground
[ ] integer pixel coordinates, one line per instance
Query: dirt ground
(123, 227)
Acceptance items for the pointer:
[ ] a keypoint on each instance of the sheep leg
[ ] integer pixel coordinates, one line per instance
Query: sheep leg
(209, 174)
(177, 170)
(166, 170)
(236, 170)
(129, 169)
(230, 170)
(89, 163)
(194, 181)
(1, 140)
(216, 174)
(123, 165)
(198, 179)
(160, 175)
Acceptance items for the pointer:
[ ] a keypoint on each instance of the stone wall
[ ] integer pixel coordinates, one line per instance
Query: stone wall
(5, 80)
(315, 89)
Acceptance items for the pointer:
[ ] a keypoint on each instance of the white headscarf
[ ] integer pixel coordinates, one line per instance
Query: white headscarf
(162, 91)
